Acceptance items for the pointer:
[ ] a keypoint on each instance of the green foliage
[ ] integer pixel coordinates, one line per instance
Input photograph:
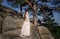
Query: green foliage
(15, 3)
(1, 1)
(45, 0)
(53, 27)
(22, 1)
(55, 31)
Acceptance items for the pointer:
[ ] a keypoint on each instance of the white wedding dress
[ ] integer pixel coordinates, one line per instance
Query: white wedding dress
(25, 28)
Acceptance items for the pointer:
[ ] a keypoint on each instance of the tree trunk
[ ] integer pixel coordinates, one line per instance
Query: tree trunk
(34, 15)
(34, 12)
(34, 18)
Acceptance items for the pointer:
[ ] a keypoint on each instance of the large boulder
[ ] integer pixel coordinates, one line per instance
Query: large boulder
(44, 33)
(11, 27)
(11, 24)
(14, 34)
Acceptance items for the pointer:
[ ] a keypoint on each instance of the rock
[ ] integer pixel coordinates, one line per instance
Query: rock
(23, 38)
(44, 33)
(11, 27)
(11, 24)
(0, 36)
(43, 30)
(11, 34)
(1, 19)
(34, 33)
(5, 37)
(14, 34)
(46, 37)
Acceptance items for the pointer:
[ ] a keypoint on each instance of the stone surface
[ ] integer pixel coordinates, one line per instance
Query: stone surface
(11, 24)
(23, 38)
(12, 29)
(35, 33)
(43, 30)
(14, 34)
(46, 37)
(1, 20)
(11, 34)
(44, 33)
(0, 36)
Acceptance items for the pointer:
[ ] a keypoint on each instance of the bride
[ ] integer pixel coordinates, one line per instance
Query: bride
(25, 31)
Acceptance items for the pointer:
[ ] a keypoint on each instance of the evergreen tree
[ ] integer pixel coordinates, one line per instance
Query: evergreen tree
(1, 1)
(17, 3)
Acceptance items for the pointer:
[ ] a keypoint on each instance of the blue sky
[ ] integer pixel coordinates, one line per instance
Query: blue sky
(7, 5)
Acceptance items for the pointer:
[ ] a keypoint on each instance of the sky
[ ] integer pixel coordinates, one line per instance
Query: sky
(7, 5)
(56, 14)
(57, 17)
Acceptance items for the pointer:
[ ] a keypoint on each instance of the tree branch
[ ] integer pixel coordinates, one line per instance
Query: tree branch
(30, 4)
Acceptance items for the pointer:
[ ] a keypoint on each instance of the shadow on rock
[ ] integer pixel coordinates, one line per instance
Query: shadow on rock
(9, 36)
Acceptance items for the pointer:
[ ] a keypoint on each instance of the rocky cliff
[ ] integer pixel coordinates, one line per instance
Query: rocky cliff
(4, 11)
(12, 27)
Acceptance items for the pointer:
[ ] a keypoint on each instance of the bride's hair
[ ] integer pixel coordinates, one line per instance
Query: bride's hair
(25, 15)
